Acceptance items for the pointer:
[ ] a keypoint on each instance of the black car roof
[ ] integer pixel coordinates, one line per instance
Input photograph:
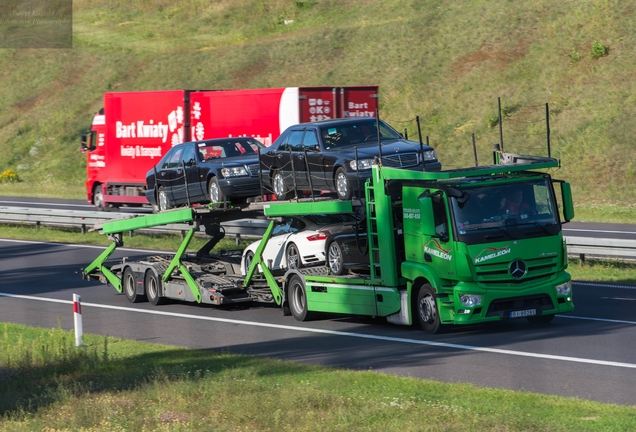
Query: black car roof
(339, 121)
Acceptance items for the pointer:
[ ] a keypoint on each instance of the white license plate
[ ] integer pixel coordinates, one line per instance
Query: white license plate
(523, 313)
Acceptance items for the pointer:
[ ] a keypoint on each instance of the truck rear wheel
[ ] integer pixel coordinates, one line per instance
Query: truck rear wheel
(298, 299)
(427, 311)
(152, 284)
(98, 198)
(130, 286)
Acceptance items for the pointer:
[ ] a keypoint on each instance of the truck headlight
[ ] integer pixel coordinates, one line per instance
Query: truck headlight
(234, 172)
(429, 155)
(470, 300)
(564, 289)
(363, 164)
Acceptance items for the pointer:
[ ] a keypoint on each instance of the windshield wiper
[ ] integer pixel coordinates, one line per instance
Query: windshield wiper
(499, 236)
(543, 228)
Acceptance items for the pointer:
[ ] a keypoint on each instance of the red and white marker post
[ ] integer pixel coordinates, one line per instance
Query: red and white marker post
(77, 318)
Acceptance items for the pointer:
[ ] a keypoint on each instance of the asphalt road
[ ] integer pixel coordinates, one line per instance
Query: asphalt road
(588, 354)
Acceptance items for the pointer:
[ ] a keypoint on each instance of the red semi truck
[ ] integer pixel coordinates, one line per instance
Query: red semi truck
(135, 129)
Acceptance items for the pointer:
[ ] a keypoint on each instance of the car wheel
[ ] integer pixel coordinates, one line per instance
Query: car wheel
(298, 299)
(281, 191)
(541, 319)
(427, 311)
(152, 284)
(247, 261)
(163, 201)
(130, 286)
(343, 187)
(214, 191)
(335, 260)
(293, 257)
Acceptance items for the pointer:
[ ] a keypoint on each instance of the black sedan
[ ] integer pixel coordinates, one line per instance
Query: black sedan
(336, 156)
(205, 171)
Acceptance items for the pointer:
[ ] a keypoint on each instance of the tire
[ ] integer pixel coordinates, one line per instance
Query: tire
(214, 191)
(292, 257)
(541, 319)
(247, 261)
(335, 261)
(343, 187)
(153, 288)
(297, 296)
(163, 202)
(279, 186)
(427, 311)
(98, 198)
(129, 284)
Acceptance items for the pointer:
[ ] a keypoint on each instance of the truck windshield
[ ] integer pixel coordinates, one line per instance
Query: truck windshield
(513, 211)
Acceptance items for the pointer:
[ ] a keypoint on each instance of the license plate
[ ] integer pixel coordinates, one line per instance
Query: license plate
(523, 313)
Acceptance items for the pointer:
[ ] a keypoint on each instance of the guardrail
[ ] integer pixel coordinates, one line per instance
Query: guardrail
(85, 220)
(577, 246)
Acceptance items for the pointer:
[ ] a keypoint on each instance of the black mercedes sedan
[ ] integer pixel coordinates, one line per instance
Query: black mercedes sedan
(207, 171)
(336, 156)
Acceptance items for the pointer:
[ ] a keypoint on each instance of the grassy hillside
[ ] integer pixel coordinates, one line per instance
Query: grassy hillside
(446, 61)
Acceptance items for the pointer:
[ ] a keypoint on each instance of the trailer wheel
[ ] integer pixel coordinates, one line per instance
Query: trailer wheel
(335, 261)
(152, 284)
(298, 299)
(293, 257)
(541, 319)
(427, 311)
(343, 187)
(130, 286)
(163, 202)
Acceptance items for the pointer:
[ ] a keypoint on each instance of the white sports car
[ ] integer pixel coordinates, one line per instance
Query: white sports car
(298, 241)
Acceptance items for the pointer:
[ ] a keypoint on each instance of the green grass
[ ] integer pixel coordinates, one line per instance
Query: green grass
(575, 56)
(120, 385)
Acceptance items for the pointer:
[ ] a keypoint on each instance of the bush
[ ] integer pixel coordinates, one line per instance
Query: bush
(9, 176)
(598, 50)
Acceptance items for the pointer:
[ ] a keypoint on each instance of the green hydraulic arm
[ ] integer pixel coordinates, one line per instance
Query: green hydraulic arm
(176, 263)
(98, 264)
(258, 259)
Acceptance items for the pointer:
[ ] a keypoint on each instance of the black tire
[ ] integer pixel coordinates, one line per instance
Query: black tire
(292, 256)
(163, 202)
(335, 261)
(154, 289)
(214, 191)
(297, 296)
(98, 199)
(247, 261)
(343, 187)
(540, 319)
(129, 285)
(427, 311)
(279, 186)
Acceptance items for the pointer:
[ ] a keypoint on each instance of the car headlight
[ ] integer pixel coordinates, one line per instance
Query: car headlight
(470, 300)
(362, 164)
(564, 289)
(234, 172)
(430, 155)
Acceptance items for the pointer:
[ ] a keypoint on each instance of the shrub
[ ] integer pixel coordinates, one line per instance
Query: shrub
(9, 176)
(598, 50)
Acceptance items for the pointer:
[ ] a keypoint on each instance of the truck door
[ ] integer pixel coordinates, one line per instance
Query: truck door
(438, 248)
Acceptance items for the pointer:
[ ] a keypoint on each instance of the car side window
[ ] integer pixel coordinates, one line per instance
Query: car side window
(174, 159)
(188, 155)
(310, 141)
(294, 142)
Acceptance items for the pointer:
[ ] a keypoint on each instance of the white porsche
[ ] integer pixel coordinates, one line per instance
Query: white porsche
(298, 241)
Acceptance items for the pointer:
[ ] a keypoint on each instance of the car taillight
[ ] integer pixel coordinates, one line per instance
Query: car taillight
(319, 236)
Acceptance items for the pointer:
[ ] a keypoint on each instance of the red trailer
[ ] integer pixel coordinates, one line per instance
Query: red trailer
(135, 129)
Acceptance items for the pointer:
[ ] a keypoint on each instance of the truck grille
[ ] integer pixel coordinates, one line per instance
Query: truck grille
(498, 273)
(401, 160)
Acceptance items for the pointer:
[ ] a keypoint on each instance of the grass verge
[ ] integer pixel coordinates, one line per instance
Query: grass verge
(117, 385)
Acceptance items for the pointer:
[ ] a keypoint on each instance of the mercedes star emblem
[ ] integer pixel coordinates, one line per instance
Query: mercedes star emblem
(518, 269)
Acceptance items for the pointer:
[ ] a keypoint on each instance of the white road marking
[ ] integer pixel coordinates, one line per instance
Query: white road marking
(355, 335)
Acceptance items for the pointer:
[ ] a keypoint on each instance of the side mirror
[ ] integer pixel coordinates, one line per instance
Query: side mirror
(568, 206)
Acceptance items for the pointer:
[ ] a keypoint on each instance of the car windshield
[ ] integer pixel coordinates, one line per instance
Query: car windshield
(228, 148)
(347, 134)
(506, 209)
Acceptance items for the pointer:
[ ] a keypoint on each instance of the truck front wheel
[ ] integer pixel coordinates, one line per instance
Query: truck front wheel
(427, 311)
(98, 198)
(298, 299)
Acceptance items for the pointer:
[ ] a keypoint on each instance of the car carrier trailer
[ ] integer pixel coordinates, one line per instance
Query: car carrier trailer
(442, 250)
